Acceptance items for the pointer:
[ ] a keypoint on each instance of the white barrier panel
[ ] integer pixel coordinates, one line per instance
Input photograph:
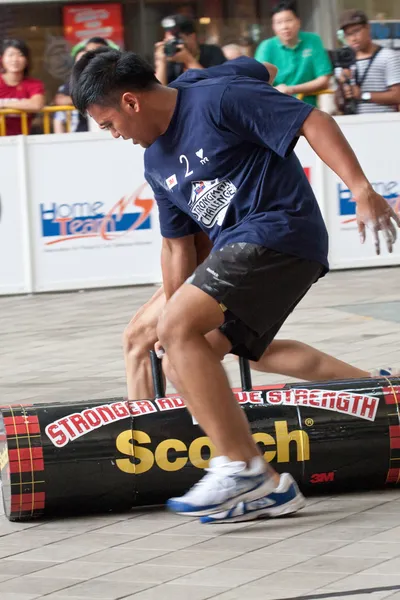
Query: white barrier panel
(14, 236)
(94, 217)
(375, 139)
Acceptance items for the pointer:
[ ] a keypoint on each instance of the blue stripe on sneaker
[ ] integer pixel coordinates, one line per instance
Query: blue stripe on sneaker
(282, 497)
(177, 505)
(261, 504)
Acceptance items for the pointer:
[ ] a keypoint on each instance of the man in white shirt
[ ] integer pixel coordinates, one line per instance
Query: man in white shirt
(374, 80)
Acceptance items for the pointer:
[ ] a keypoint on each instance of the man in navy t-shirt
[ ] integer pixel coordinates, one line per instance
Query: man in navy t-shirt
(220, 160)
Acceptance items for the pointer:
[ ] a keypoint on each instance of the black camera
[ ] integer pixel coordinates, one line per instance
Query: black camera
(342, 58)
(172, 46)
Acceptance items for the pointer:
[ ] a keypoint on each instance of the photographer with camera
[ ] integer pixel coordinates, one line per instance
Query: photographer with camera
(368, 75)
(180, 50)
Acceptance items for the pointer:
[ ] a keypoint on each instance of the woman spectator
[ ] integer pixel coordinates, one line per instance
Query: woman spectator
(17, 89)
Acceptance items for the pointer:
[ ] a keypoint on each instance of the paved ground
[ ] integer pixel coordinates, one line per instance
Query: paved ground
(67, 346)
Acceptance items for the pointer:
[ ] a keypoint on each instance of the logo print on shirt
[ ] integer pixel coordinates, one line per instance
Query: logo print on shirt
(171, 181)
(200, 155)
(210, 200)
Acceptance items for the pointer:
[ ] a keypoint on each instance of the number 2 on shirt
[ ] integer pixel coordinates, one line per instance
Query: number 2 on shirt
(182, 159)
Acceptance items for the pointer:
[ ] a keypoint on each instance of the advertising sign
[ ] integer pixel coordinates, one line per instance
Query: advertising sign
(115, 454)
(94, 217)
(84, 21)
(14, 244)
(374, 139)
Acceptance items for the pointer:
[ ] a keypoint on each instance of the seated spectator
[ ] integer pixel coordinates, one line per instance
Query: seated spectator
(188, 53)
(303, 64)
(372, 84)
(17, 89)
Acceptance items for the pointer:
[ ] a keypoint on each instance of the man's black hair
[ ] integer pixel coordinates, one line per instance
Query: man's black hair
(99, 77)
(285, 5)
(98, 40)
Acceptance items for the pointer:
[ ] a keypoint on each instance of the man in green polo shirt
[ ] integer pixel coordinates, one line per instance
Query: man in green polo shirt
(303, 63)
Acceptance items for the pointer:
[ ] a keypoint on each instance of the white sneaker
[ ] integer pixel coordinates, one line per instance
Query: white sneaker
(226, 483)
(286, 499)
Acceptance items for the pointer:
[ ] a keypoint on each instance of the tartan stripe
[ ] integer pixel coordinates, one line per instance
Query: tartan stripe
(395, 443)
(394, 431)
(25, 466)
(21, 420)
(391, 394)
(393, 476)
(25, 453)
(27, 501)
(23, 428)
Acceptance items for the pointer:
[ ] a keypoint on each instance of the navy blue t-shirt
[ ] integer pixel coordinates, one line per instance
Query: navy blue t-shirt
(226, 164)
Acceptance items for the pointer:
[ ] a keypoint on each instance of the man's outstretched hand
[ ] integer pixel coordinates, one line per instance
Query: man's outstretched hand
(374, 212)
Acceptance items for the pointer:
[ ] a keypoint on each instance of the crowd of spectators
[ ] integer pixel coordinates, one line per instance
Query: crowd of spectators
(362, 76)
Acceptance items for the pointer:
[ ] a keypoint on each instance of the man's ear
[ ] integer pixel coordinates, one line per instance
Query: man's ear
(130, 101)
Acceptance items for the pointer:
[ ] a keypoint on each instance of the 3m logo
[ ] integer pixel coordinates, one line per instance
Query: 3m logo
(322, 477)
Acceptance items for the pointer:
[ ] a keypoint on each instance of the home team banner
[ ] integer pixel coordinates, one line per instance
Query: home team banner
(83, 21)
(94, 218)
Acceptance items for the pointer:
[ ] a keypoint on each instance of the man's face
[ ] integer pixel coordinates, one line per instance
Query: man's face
(286, 26)
(358, 37)
(128, 121)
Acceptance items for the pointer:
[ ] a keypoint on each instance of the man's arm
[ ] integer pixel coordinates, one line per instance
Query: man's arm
(178, 262)
(327, 140)
(391, 96)
(33, 104)
(315, 85)
(160, 63)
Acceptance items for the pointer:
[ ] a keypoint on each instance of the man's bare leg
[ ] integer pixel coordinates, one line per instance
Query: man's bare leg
(189, 315)
(138, 339)
(298, 360)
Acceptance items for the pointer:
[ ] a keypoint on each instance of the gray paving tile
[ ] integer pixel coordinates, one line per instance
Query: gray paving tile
(243, 592)
(22, 567)
(355, 596)
(390, 535)
(192, 557)
(386, 311)
(28, 584)
(366, 580)
(123, 555)
(336, 564)
(11, 596)
(260, 560)
(102, 589)
(170, 591)
(167, 542)
(149, 573)
(370, 549)
(53, 552)
(76, 569)
(310, 547)
(220, 576)
(342, 533)
(240, 545)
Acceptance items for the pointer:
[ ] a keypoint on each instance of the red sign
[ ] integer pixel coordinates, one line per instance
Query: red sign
(84, 21)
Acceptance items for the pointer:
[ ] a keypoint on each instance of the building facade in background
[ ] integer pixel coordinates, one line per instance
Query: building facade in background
(51, 28)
